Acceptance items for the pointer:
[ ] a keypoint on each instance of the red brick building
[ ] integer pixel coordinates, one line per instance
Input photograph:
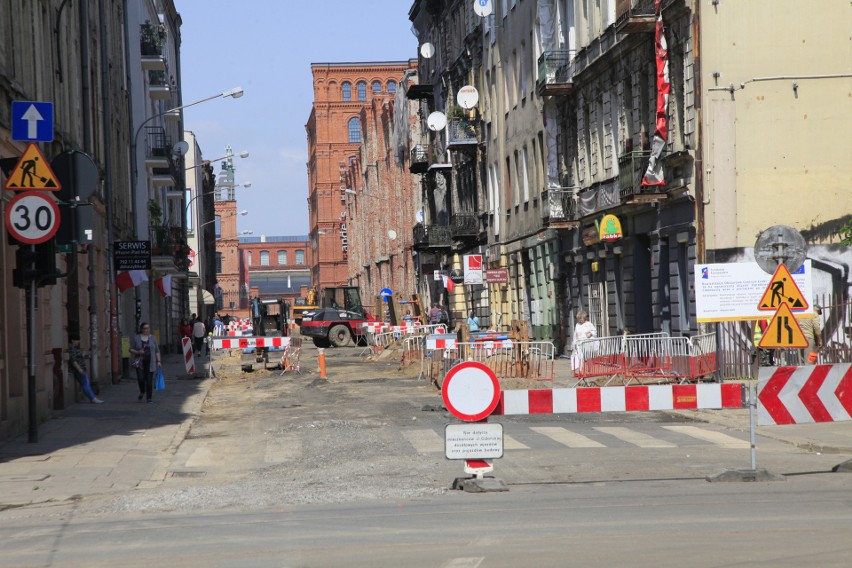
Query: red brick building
(384, 197)
(335, 132)
(279, 266)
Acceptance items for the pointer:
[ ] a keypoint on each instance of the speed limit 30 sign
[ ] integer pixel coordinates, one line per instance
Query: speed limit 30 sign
(32, 217)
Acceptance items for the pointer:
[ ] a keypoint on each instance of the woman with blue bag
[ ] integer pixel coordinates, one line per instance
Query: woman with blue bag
(147, 359)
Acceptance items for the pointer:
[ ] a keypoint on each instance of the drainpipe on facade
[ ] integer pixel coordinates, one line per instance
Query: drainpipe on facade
(700, 241)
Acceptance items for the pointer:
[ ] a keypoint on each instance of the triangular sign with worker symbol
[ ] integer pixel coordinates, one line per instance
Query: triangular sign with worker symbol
(782, 289)
(33, 173)
(783, 331)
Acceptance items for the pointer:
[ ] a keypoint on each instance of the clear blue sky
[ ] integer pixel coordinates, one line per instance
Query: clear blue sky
(267, 47)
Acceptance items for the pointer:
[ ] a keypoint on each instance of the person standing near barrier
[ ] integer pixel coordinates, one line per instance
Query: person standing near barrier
(148, 360)
(434, 314)
(77, 364)
(583, 330)
(473, 322)
(811, 328)
(199, 332)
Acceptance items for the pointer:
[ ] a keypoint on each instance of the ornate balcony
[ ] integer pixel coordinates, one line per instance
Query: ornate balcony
(634, 16)
(555, 73)
(419, 162)
(558, 207)
(432, 236)
(461, 134)
(157, 147)
(464, 225)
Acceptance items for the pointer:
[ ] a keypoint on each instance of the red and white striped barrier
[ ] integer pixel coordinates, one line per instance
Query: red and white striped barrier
(435, 342)
(238, 332)
(249, 342)
(622, 399)
(496, 344)
(801, 395)
(188, 359)
(374, 326)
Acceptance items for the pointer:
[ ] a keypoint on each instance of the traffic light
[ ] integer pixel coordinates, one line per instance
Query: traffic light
(38, 263)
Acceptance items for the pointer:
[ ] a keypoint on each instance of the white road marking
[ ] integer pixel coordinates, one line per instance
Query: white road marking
(424, 441)
(472, 562)
(635, 438)
(509, 443)
(717, 438)
(566, 437)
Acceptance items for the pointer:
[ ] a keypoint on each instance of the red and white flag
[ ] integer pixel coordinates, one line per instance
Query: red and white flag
(164, 285)
(448, 283)
(130, 279)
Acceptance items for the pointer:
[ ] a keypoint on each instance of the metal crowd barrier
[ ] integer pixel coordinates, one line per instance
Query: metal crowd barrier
(509, 359)
(413, 348)
(653, 356)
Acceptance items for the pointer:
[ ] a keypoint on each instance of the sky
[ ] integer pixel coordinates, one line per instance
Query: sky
(267, 47)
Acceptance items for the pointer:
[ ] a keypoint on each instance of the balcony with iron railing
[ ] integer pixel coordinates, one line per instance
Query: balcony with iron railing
(558, 206)
(419, 162)
(634, 16)
(631, 169)
(158, 147)
(555, 73)
(461, 133)
(432, 236)
(464, 225)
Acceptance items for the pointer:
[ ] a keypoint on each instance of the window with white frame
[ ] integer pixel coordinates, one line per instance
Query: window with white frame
(300, 257)
(282, 257)
(525, 181)
(264, 258)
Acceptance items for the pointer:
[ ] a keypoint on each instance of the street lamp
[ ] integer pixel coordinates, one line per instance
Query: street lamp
(235, 93)
(246, 185)
(242, 213)
(243, 154)
(247, 232)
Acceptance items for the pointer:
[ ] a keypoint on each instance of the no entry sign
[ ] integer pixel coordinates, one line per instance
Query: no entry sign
(471, 391)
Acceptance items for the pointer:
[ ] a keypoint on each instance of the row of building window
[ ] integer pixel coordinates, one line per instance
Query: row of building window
(264, 259)
(282, 257)
(361, 88)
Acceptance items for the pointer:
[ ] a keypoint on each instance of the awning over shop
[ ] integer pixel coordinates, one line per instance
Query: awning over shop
(208, 298)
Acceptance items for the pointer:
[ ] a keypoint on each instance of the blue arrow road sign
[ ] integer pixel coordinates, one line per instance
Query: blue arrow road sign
(32, 121)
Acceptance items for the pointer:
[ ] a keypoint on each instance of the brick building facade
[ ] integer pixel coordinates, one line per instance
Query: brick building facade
(335, 132)
(279, 266)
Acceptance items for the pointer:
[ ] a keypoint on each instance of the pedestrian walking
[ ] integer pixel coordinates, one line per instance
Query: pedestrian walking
(185, 329)
(147, 360)
(77, 364)
(199, 331)
(435, 314)
(218, 326)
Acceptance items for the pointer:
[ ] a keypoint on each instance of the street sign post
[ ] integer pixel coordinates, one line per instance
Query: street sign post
(32, 121)
(32, 218)
(471, 391)
(33, 173)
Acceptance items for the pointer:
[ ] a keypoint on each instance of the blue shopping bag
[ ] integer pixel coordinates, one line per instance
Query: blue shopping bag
(160, 380)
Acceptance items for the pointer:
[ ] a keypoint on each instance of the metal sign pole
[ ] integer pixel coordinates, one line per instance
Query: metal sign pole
(752, 403)
(32, 410)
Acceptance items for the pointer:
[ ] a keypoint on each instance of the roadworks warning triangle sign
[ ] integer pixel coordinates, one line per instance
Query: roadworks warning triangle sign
(783, 331)
(782, 289)
(33, 173)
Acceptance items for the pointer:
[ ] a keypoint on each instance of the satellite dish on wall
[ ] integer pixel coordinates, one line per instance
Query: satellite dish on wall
(181, 148)
(392, 235)
(427, 50)
(436, 121)
(483, 8)
(467, 97)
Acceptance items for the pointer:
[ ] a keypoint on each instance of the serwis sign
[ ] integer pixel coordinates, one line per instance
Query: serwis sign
(131, 255)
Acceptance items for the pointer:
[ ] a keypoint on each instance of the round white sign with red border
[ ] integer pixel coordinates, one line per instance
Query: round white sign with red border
(471, 391)
(32, 217)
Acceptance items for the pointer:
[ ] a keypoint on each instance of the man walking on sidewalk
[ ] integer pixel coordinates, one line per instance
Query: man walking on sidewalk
(199, 331)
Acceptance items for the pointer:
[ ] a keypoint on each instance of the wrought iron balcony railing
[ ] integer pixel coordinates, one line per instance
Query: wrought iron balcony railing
(460, 133)
(634, 16)
(464, 225)
(432, 236)
(419, 162)
(555, 72)
(558, 205)
(631, 170)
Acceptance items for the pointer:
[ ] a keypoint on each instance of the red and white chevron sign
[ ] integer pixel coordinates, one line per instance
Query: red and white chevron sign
(801, 395)
(622, 399)
(248, 342)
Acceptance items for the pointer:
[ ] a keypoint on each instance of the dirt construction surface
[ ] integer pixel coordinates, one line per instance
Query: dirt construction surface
(264, 439)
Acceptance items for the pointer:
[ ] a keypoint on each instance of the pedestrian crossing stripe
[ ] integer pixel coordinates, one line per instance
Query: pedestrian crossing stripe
(33, 173)
(426, 441)
(782, 289)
